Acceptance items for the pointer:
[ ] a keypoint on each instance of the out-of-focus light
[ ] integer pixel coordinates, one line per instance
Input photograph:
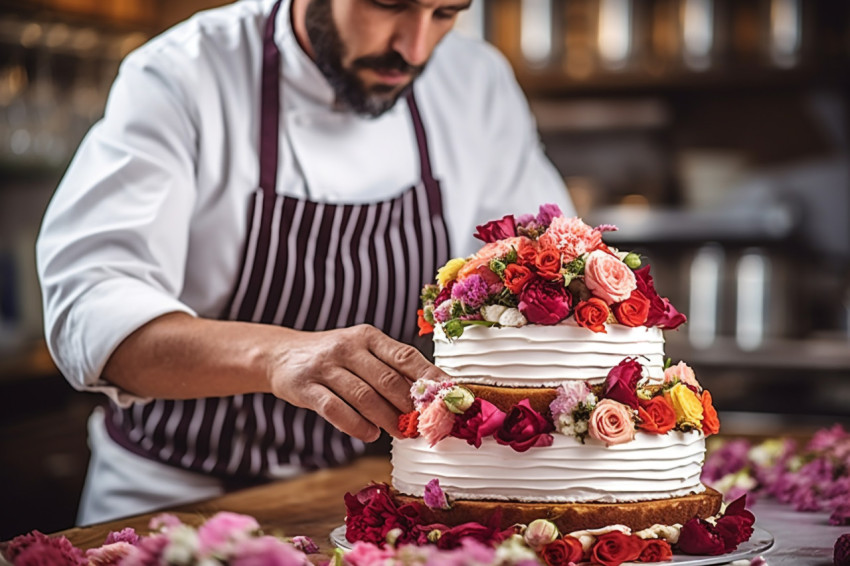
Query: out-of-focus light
(615, 32)
(697, 32)
(536, 31)
(785, 32)
(635, 201)
(753, 273)
(471, 22)
(31, 34)
(705, 284)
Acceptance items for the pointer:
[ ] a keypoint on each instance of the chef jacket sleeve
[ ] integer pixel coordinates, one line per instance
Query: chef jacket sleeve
(112, 248)
(519, 176)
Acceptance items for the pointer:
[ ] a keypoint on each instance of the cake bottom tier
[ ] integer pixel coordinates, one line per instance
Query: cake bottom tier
(571, 517)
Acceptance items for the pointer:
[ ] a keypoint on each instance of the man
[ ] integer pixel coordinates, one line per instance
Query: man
(230, 256)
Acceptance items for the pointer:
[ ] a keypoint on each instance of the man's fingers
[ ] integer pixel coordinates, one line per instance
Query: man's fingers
(334, 410)
(390, 384)
(358, 393)
(406, 360)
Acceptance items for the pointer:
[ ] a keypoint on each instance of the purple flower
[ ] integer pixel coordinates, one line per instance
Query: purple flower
(305, 544)
(148, 552)
(125, 535)
(38, 548)
(472, 291)
(728, 459)
(164, 521)
(547, 212)
(443, 312)
(434, 496)
(841, 515)
(827, 438)
(570, 394)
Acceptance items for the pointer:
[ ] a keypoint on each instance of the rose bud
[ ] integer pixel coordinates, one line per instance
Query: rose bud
(632, 260)
(539, 533)
(458, 399)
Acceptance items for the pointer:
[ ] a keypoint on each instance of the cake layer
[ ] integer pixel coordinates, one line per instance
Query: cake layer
(571, 517)
(546, 356)
(650, 467)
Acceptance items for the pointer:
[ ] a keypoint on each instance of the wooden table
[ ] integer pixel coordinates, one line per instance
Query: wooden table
(311, 505)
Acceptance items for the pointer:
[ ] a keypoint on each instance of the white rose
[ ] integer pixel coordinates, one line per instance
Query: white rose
(491, 313)
(512, 317)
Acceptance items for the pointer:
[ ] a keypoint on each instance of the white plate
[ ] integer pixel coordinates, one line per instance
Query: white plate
(760, 542)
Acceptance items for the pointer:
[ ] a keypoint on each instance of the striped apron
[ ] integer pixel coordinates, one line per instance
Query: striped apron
(309, 266)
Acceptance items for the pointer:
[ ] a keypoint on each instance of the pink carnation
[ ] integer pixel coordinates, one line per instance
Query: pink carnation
(266, 551)
(225, 527)
(368, 554)
(569, 396)
(38, 548)
(501, 248)
(608, 278)
(683, 373)
(436, 422)
(110, 554)
(571, 237)
(611, 422)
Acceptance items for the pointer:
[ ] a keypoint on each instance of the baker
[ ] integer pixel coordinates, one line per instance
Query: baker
(235, 253)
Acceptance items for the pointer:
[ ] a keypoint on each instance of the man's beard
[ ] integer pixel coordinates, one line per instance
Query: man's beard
(350, 91)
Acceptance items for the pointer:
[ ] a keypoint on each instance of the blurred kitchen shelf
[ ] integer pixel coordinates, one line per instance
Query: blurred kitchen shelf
(643, 225)
(812, 354)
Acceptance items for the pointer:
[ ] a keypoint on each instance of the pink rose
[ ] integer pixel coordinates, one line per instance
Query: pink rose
(266, 551)
(110, 554)
(661, 312)
(608, 278)
(223, 528)
(480, 420)
(683, 373)
(611, 422)
(524, 427)
(436, 422)
(571, 237)
(545, 302)
(367, 554)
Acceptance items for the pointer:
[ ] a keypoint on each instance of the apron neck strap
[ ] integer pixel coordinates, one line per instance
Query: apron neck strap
(270, 114)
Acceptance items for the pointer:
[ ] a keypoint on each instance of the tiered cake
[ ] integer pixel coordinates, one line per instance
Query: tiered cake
(561, 405)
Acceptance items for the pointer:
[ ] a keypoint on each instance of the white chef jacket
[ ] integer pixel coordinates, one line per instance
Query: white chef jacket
(151, 215)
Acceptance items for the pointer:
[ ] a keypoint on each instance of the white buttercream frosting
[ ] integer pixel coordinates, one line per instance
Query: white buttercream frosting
(546, 356)
(650, 467)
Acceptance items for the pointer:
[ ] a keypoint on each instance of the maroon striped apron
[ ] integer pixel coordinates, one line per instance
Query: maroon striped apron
(309, 266)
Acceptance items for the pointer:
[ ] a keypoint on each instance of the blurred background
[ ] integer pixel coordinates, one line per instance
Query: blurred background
(714, 133)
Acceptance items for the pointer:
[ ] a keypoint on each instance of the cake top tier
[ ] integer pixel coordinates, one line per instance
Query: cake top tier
(543, 270)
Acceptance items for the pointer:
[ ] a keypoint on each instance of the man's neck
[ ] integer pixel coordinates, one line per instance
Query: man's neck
(298, 14)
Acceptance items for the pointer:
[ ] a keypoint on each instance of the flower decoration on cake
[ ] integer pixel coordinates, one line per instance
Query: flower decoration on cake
(544, 269)
(611, 412)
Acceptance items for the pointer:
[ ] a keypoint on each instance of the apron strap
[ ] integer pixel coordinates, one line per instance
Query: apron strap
(421, 140)
(269, 106)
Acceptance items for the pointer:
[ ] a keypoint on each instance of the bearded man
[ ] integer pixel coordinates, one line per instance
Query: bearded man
(235, 253)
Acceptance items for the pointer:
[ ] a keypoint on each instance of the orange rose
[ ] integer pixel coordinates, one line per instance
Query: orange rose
(408, 424)
(592, 314)
(656, 416)
(479, 266)
(633, 311)
(425, 327)
(710, 422)
(548, 264)
(516, 277)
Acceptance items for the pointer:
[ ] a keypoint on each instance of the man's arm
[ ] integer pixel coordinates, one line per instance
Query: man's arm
(356, 378)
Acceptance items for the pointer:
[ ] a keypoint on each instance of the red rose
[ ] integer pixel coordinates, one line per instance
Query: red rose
(592, 314)
(633, 311)
(526, 256)
(372, 513)
(497, 229)
(425, 327)
(445, 294)
(615, 548)
(481, 419)
(655, 550)
(710, 422)
(524, 427)
(516, 277)
(736, 524)
(562, 551)
(621, 383)
(699, 537)
(548, 264)
(661, 312)
(656, 415)
(545, 302)
(408, 424)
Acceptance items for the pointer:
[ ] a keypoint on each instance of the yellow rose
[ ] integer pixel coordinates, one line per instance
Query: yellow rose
(686, 405)
(449, 271)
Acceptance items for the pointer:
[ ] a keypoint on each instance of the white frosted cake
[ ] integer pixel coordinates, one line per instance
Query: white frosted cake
(561, 404)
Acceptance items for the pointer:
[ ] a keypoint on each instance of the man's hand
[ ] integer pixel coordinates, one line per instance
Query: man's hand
(356, 378)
